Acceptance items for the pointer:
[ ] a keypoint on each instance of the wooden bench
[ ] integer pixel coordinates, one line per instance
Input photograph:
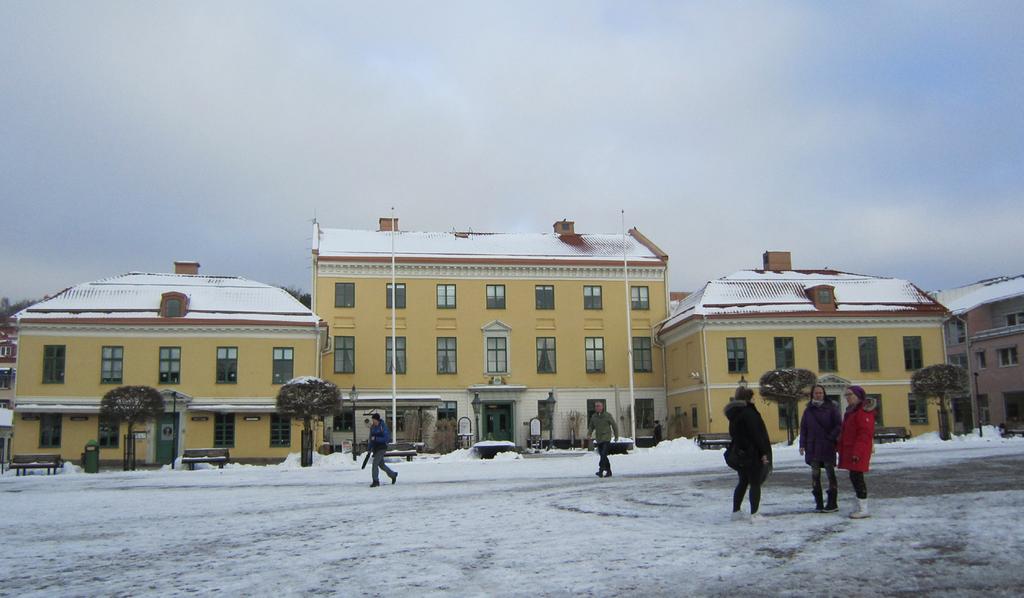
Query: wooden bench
(883, 435)
(714, 441)
(216, 456)
(402, 449)
(51, 463)
(1011, 432)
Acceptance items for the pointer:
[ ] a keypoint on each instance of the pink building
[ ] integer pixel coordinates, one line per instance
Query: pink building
(985, 335)
(8, 358)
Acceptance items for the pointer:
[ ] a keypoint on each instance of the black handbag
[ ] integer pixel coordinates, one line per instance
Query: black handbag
(735, 457)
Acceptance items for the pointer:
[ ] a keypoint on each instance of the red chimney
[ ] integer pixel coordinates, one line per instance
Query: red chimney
(777, 261)
(186, 268)
(565, 227)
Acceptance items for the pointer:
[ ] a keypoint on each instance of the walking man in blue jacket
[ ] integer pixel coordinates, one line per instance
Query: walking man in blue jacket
(380, 436)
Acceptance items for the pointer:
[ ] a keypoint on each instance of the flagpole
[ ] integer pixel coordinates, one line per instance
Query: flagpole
(394, 341)
(629, 330)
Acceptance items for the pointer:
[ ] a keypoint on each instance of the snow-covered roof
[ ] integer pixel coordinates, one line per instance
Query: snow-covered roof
(449, 246)
(754, 292)
(138, 295)
(965, 298)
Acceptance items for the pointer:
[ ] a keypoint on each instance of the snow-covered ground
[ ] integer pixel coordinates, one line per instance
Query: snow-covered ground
(946, 519)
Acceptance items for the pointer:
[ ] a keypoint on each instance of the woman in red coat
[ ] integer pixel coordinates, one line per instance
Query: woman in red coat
(856, 441)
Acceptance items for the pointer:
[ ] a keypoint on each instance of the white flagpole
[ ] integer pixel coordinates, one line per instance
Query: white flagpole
(629, 330)
(394, 341)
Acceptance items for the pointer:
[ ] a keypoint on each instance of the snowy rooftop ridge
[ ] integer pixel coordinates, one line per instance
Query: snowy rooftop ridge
(138, 295)
(334, 242)
(752, 292)
(963, 299)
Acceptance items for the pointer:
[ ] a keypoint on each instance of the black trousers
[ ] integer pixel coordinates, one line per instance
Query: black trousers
(604, 464)
(830, 471)
(749, 477)
(859, 485)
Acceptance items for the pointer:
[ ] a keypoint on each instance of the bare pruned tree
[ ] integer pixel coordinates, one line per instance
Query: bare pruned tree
(787, 386)
(131, 405)
(938, 383)
(308, 398)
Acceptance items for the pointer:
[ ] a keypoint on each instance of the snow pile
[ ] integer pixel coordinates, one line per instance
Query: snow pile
(304, 380)
(676, 446)
(495, 443)
(333, 461)
(458, 456)
(507, 456)
(990, 434)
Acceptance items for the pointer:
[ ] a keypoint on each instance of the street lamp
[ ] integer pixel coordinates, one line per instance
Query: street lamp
(551, 416)
(174, 440)
(476, 411)
(352, 395)
(977, 403)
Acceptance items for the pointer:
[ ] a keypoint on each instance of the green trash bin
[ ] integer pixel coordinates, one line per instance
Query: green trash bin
(91, 457)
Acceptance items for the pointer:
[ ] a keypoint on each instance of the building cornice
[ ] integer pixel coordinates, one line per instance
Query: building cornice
(796, 322)
(492, 270)
(210, 329)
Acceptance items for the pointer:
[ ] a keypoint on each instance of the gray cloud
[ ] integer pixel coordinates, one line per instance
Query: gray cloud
(132, 135)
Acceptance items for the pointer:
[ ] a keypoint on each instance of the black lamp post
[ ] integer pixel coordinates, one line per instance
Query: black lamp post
(174, 440)
(352, 395)
(551, 416)
(977, 404)
(476, 411)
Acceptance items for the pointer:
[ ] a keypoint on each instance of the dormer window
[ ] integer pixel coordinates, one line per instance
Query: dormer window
(173, 305)
(823, 296)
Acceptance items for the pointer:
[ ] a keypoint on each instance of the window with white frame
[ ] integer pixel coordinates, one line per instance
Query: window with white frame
(1007, 356)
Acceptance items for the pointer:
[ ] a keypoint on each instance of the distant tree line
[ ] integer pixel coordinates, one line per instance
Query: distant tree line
(8, 309)
(302, 296)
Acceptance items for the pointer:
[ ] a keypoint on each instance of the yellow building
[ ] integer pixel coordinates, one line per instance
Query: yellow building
(489, 324)
(218, 349)
(848, 328)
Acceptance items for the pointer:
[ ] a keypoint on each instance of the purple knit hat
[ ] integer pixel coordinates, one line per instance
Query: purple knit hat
(858, 391)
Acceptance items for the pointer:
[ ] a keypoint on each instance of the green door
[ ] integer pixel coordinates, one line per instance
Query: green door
(165, 433)
(498, 423)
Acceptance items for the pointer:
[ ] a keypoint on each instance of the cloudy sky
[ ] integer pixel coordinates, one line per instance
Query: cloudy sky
(883, 138)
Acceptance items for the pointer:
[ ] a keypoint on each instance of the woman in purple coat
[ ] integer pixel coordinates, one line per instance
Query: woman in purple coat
(819, 431)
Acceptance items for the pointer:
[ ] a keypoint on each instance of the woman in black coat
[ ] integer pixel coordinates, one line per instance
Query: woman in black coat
(751, 449)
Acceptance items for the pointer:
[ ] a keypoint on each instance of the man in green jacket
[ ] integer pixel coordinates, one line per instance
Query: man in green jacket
(602, 425)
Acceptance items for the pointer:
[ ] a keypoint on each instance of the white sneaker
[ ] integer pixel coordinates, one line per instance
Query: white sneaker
(738, 516)
(756, 518)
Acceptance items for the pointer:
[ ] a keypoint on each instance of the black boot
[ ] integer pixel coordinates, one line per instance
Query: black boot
(831, 506)
(819, 504)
